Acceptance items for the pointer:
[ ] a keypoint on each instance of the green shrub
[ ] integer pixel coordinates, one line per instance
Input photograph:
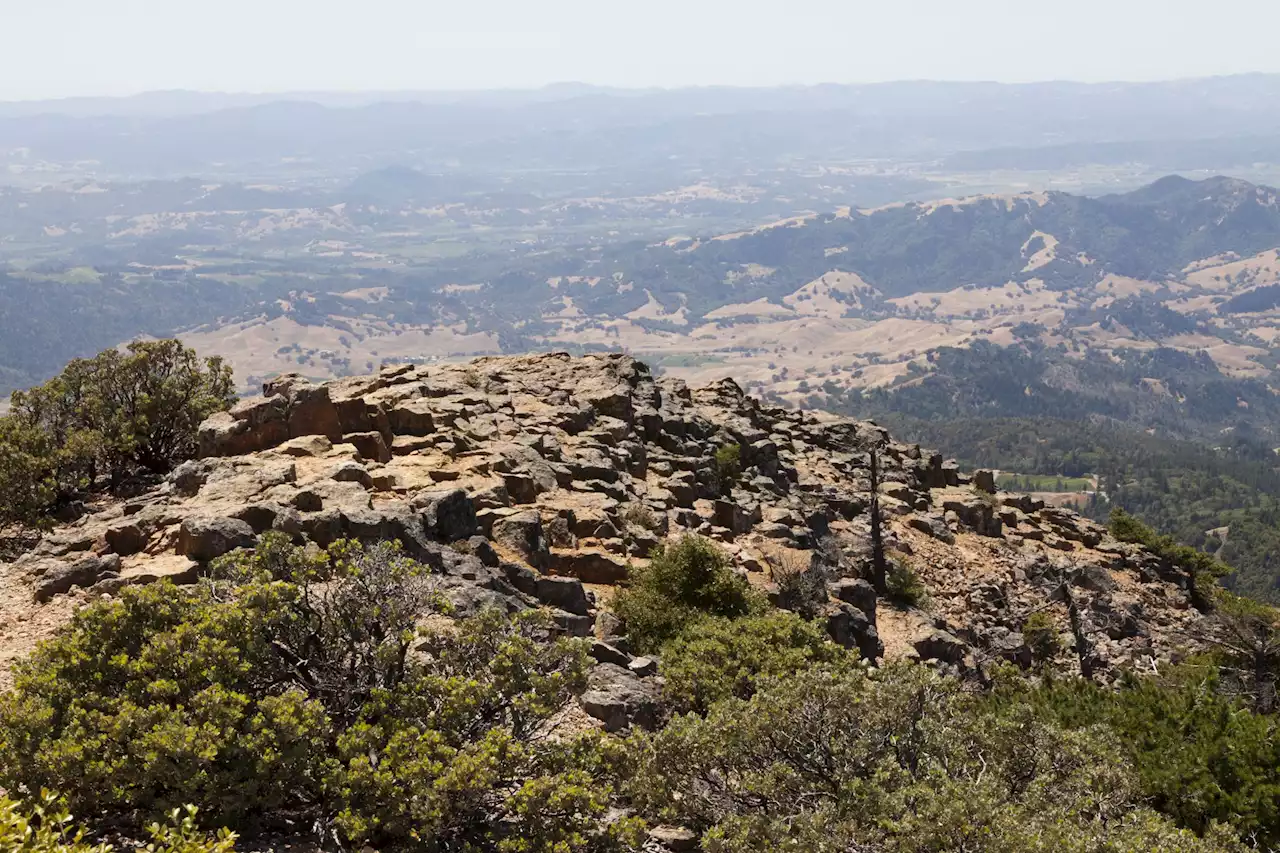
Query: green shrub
(1195, 563)
(682, 582)
(1041, 636)
(47, 827)
(717, 658)
(29, 475)
(728, 466)
(900, 760)
(904, 585)
(1197, 755)
(113, 415)
(297, 684)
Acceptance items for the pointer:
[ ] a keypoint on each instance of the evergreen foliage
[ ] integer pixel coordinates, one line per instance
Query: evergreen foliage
(300, 685)
(683, 582)
(114, 416)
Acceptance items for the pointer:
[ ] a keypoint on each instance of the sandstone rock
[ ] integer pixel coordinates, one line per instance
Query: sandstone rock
(448, 514)
(207, 538)
(1095, 578)
(523, 534)
(412, 418)
(984, 481)
(126, 539)
(857, 592)
(605, 653)
(572, 624)
(976, 513)
(312, 412)
(351, 472)
(620, 699)
(306, 446)
(932, 525)
(567, 594)
(188, 477)
(943, 646)
(850, 627)
(574, 444)
(589, 565)
(370, 445)
(260, 516)
(1013, 648)
(644, 666)
(307, 500)
(677, 839)
(58, 577)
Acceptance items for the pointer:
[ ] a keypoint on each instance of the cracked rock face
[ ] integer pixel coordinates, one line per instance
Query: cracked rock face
(541, 480)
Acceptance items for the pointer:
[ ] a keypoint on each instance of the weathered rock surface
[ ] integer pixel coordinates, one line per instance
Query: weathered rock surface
(520, 479)
(619, 698)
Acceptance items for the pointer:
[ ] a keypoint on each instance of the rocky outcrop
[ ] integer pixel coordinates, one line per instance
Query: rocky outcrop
(544, 480)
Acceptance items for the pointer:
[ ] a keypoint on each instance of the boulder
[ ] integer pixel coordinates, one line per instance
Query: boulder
(942, 646)
(1095, 578)
(370, 445)
(412, 417)
(351, 472)
(523, 534)
(447, 514)
(858, 592)
(850, 627)
(567, 594)
(311, 411)
(677, 839)
(620, 699)
(125, 539)
(605, 653)
(259, 516)
(56, 577)
(590, 566)
(932, 525)
(206, 538)
(572, 624)
(188, 477)
(644, 666)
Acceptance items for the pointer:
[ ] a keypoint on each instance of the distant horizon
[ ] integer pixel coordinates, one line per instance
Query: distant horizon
(84, 49)
(569, 84)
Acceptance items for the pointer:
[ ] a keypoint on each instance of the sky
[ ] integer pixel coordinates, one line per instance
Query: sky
(65, 48)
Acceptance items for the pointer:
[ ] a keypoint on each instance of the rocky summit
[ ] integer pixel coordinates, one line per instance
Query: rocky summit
(543, 480)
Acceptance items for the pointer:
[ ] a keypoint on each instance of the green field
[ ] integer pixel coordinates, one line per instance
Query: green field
(1043, 483)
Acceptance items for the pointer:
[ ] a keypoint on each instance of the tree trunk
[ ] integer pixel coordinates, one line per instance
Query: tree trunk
(1084, 649)
(879, 565)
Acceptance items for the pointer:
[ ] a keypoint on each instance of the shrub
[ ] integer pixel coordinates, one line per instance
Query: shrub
(639, 515)
(47, 827)
(296, 684)
(802, 586)
(29, 475)
(1041, 636)
(728, 466)
(116, 414)
(896, 761)
(1195, 563)
(904, 585)
(1197, 755)
(682, 582)
(717, 658)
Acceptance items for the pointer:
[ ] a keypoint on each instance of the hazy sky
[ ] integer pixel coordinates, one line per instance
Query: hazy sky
(58, 48)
